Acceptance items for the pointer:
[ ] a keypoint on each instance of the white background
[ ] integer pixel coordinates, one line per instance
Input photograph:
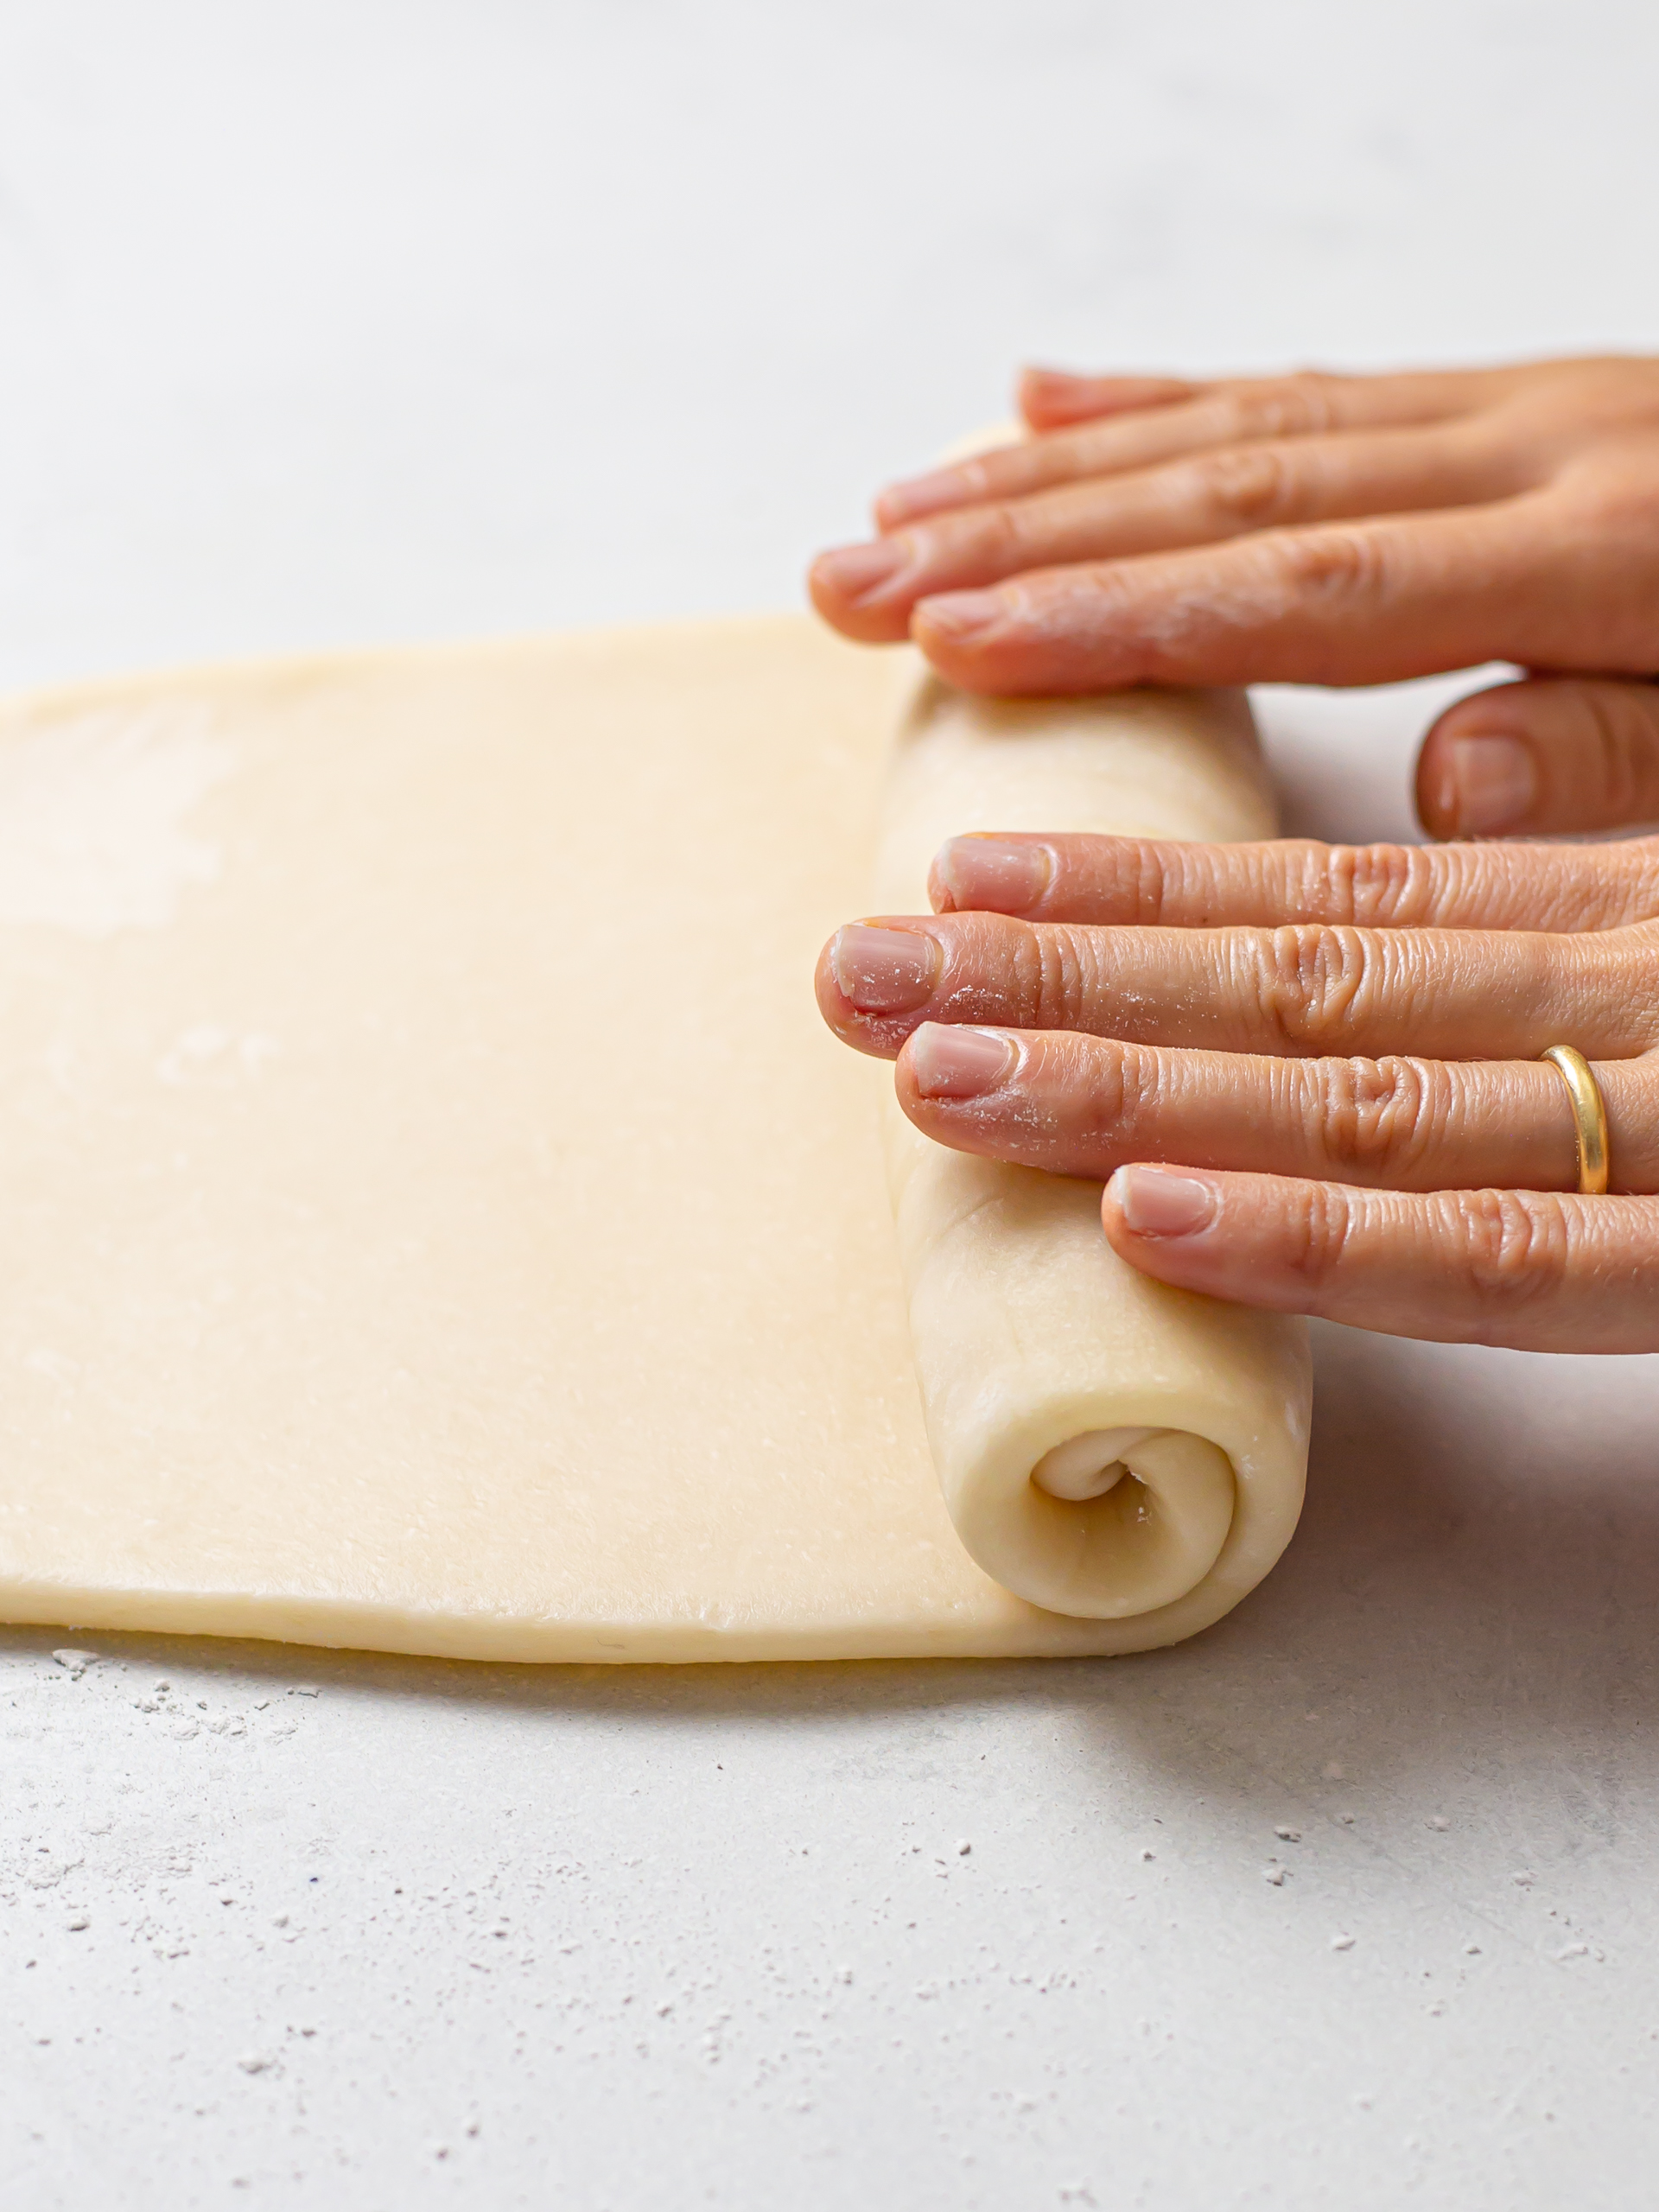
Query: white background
(355, 323)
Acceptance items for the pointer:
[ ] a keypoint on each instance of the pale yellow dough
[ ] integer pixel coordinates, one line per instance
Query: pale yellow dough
(436, 1219)
(1106, 1446)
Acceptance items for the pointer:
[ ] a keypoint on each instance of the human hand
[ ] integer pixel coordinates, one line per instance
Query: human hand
(1313, 528)
(1297, 1062)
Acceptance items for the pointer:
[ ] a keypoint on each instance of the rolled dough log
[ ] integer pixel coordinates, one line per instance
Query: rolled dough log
(436, 1219)
(1107, 1447)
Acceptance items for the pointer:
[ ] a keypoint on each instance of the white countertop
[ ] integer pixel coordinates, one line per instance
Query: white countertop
(331, 324)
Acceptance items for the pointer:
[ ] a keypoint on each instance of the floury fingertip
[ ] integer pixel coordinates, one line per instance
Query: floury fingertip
(884, 971)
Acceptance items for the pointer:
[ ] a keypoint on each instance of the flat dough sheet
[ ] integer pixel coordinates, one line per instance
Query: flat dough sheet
(437, 1219)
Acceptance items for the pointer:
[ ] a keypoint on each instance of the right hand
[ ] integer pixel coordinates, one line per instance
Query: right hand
(1309, 1073)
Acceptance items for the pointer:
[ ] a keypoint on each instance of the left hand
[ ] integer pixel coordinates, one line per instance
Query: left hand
(1314, 529)
(1310, 1071)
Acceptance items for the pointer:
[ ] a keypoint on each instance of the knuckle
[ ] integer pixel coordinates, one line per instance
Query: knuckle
(1315, 393)
(1343, 564)
(1116, 1087)
(1238, 486)
(1311, 980)
(1377, 1120)
(1020, 970)
(1317, 1233)
(1377, 884)
(993, 970)
(1064, 976)
(1086, 1090)
(1126, 881)
(1512, 1245)
(1157, 872)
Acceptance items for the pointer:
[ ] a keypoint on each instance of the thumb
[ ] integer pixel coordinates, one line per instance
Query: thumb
(1547, 754)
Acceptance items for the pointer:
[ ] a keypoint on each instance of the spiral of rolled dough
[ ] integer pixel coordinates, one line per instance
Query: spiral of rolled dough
(1108, 1448)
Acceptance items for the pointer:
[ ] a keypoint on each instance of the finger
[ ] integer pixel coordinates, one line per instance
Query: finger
(1147, 880)
(1550, 754)
(1302, 992)
(1056, 398)
(1530, 1269)
(1053, 399)
(868, 591)
(1341, 603)
(1074, 1105)
(1307, 405)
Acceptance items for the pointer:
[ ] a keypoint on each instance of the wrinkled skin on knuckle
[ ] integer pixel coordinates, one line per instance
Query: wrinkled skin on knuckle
(1069, 978)
(1237, 488)
(1008, 962)
(1485, 877)
(1375, 1120)
(1136, 878)
(1316, 1234)
(1376, 886)
(1511, 1246)
(1310, 980)
(1332, 563)
(1156, 875)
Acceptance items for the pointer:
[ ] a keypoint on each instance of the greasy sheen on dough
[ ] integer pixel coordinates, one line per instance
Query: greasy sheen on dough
(1107, 1447)
(436, 1218)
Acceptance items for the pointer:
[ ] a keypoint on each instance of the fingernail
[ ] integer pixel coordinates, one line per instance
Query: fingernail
(993, 875)
(885, 971)
(1156, 1205)
(922, 495)
(1494, 783)
(858, 572)
(949, 1063)
(965, 617)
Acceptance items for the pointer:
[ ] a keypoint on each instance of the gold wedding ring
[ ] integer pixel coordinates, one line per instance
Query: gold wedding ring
(1589, 1117)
